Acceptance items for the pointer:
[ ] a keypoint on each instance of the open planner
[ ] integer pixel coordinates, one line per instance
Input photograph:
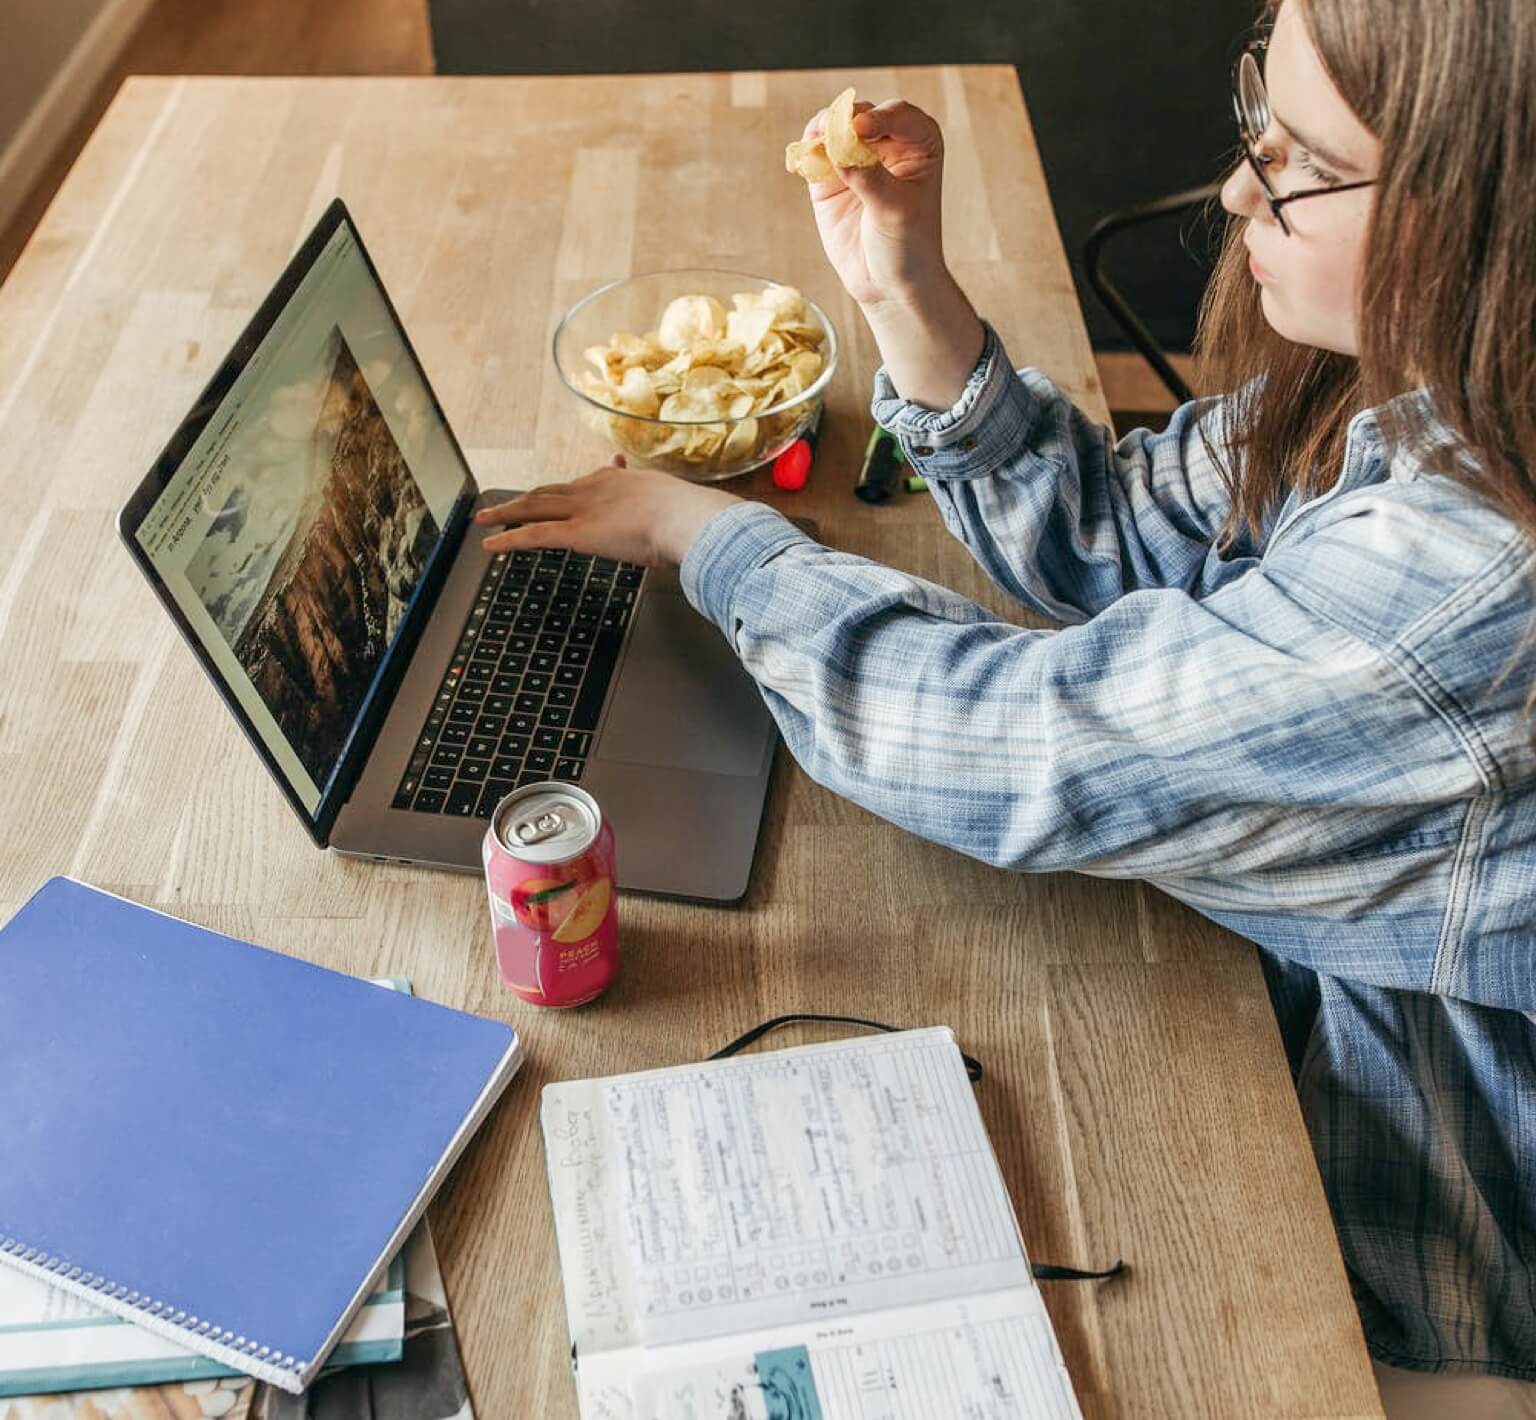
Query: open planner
(820, 1234)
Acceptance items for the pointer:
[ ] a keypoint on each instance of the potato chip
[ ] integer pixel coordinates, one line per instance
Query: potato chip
(748, 327)
(839, 146)
(637, 395)
(844, 146)
(810, 161)
(740, 441)
(691, 318)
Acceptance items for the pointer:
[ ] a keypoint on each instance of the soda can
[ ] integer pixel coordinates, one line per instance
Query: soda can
(549, 871)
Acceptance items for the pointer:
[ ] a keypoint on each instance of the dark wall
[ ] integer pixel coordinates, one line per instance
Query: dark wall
(1129, 98)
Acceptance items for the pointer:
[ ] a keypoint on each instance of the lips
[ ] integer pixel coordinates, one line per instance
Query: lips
(1259, 273)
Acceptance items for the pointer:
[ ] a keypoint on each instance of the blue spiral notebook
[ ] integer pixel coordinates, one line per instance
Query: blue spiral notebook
(221, 1143)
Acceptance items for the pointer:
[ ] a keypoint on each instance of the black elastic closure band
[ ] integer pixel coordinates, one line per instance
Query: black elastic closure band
(1049, 1272)
(751, 1037)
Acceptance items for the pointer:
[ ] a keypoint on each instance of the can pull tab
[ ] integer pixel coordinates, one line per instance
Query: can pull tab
(536, 830)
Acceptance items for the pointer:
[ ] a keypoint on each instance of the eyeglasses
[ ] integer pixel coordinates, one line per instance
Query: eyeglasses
(1250, 103)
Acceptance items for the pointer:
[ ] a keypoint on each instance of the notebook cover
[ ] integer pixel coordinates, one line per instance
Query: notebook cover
(52, 1341)
(222, 1143)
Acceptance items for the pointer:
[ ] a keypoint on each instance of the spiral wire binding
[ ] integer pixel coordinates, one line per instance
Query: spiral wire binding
(161, 1311)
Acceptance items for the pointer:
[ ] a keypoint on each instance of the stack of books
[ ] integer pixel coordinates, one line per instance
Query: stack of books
(211, 1205)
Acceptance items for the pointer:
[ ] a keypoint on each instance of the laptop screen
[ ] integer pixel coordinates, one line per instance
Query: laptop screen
(295, 531)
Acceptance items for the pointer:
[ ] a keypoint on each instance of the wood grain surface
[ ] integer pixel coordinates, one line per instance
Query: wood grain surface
(1135, 1086)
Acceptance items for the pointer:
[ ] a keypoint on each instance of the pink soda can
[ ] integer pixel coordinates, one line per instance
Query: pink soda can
(549, 871)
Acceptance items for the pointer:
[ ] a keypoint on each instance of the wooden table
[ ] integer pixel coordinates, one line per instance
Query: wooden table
(1136, 1089)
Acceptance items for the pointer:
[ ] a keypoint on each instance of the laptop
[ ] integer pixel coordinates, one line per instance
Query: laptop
(308, 528)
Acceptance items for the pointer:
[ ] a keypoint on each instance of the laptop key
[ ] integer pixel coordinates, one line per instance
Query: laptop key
(438, 776)
(505, 684)
(475, 771)
(462, 799)
(514, 746)
(462, 715)
(494, 792)
(481, 747)
(556, 716)
(540, 761)
(562, 695)
(429, 801)
(546, 738)
(568, 769)
(594, 689)
(577, 744)
(447, 754)
(508, 767)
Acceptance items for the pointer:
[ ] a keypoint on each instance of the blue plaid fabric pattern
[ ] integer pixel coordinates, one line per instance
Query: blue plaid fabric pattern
(1316, 737)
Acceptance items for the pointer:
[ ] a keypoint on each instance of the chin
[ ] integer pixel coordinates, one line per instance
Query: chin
(1303, 332)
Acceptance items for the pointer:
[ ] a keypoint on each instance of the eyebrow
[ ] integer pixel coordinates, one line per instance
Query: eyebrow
(1332, 159)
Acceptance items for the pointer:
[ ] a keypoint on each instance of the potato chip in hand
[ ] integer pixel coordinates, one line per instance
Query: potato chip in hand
(839, 145)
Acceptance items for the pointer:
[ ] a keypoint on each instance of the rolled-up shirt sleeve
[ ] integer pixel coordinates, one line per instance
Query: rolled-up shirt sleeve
(1060, 515)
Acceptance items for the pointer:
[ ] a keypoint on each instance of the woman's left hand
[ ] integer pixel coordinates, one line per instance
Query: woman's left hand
(634, 515)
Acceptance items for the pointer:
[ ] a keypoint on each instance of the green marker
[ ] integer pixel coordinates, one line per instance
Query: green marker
(917, 484)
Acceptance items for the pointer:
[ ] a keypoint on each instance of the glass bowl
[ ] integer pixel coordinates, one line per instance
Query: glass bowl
(658, 361)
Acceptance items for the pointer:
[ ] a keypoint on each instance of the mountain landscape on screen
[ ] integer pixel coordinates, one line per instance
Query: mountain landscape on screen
(311, 561)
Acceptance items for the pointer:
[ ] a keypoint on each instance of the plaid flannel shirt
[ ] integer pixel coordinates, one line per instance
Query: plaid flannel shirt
(1316, 737)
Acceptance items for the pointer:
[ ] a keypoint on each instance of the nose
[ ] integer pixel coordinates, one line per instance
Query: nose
(1242, 196)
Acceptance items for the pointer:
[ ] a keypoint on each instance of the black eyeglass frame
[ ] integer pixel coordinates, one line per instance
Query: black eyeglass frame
(1248, 63)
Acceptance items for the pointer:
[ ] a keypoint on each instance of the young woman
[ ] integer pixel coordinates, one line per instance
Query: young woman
(1294, 684)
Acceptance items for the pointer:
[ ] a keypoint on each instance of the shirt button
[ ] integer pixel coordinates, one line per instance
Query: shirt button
(968, 443)
(922, 450)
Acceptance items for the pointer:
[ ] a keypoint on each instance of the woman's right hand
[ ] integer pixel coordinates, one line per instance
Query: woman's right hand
(881, 226)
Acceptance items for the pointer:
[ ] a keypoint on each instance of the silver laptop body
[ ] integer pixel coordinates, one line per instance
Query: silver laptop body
(332, 603)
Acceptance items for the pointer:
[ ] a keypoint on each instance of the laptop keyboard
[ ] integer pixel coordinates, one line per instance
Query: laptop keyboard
(525, 686)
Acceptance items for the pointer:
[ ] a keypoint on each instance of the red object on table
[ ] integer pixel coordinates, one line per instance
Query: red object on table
(793, 466)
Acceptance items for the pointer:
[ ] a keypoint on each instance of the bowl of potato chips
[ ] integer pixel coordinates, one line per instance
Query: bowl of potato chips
(706, 374)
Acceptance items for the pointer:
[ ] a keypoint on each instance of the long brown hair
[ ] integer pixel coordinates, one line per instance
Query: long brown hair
(1449, 294)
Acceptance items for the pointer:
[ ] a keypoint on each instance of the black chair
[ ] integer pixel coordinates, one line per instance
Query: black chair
(1193, 200)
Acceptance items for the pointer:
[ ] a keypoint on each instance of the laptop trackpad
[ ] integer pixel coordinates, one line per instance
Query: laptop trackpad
(683, 701)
